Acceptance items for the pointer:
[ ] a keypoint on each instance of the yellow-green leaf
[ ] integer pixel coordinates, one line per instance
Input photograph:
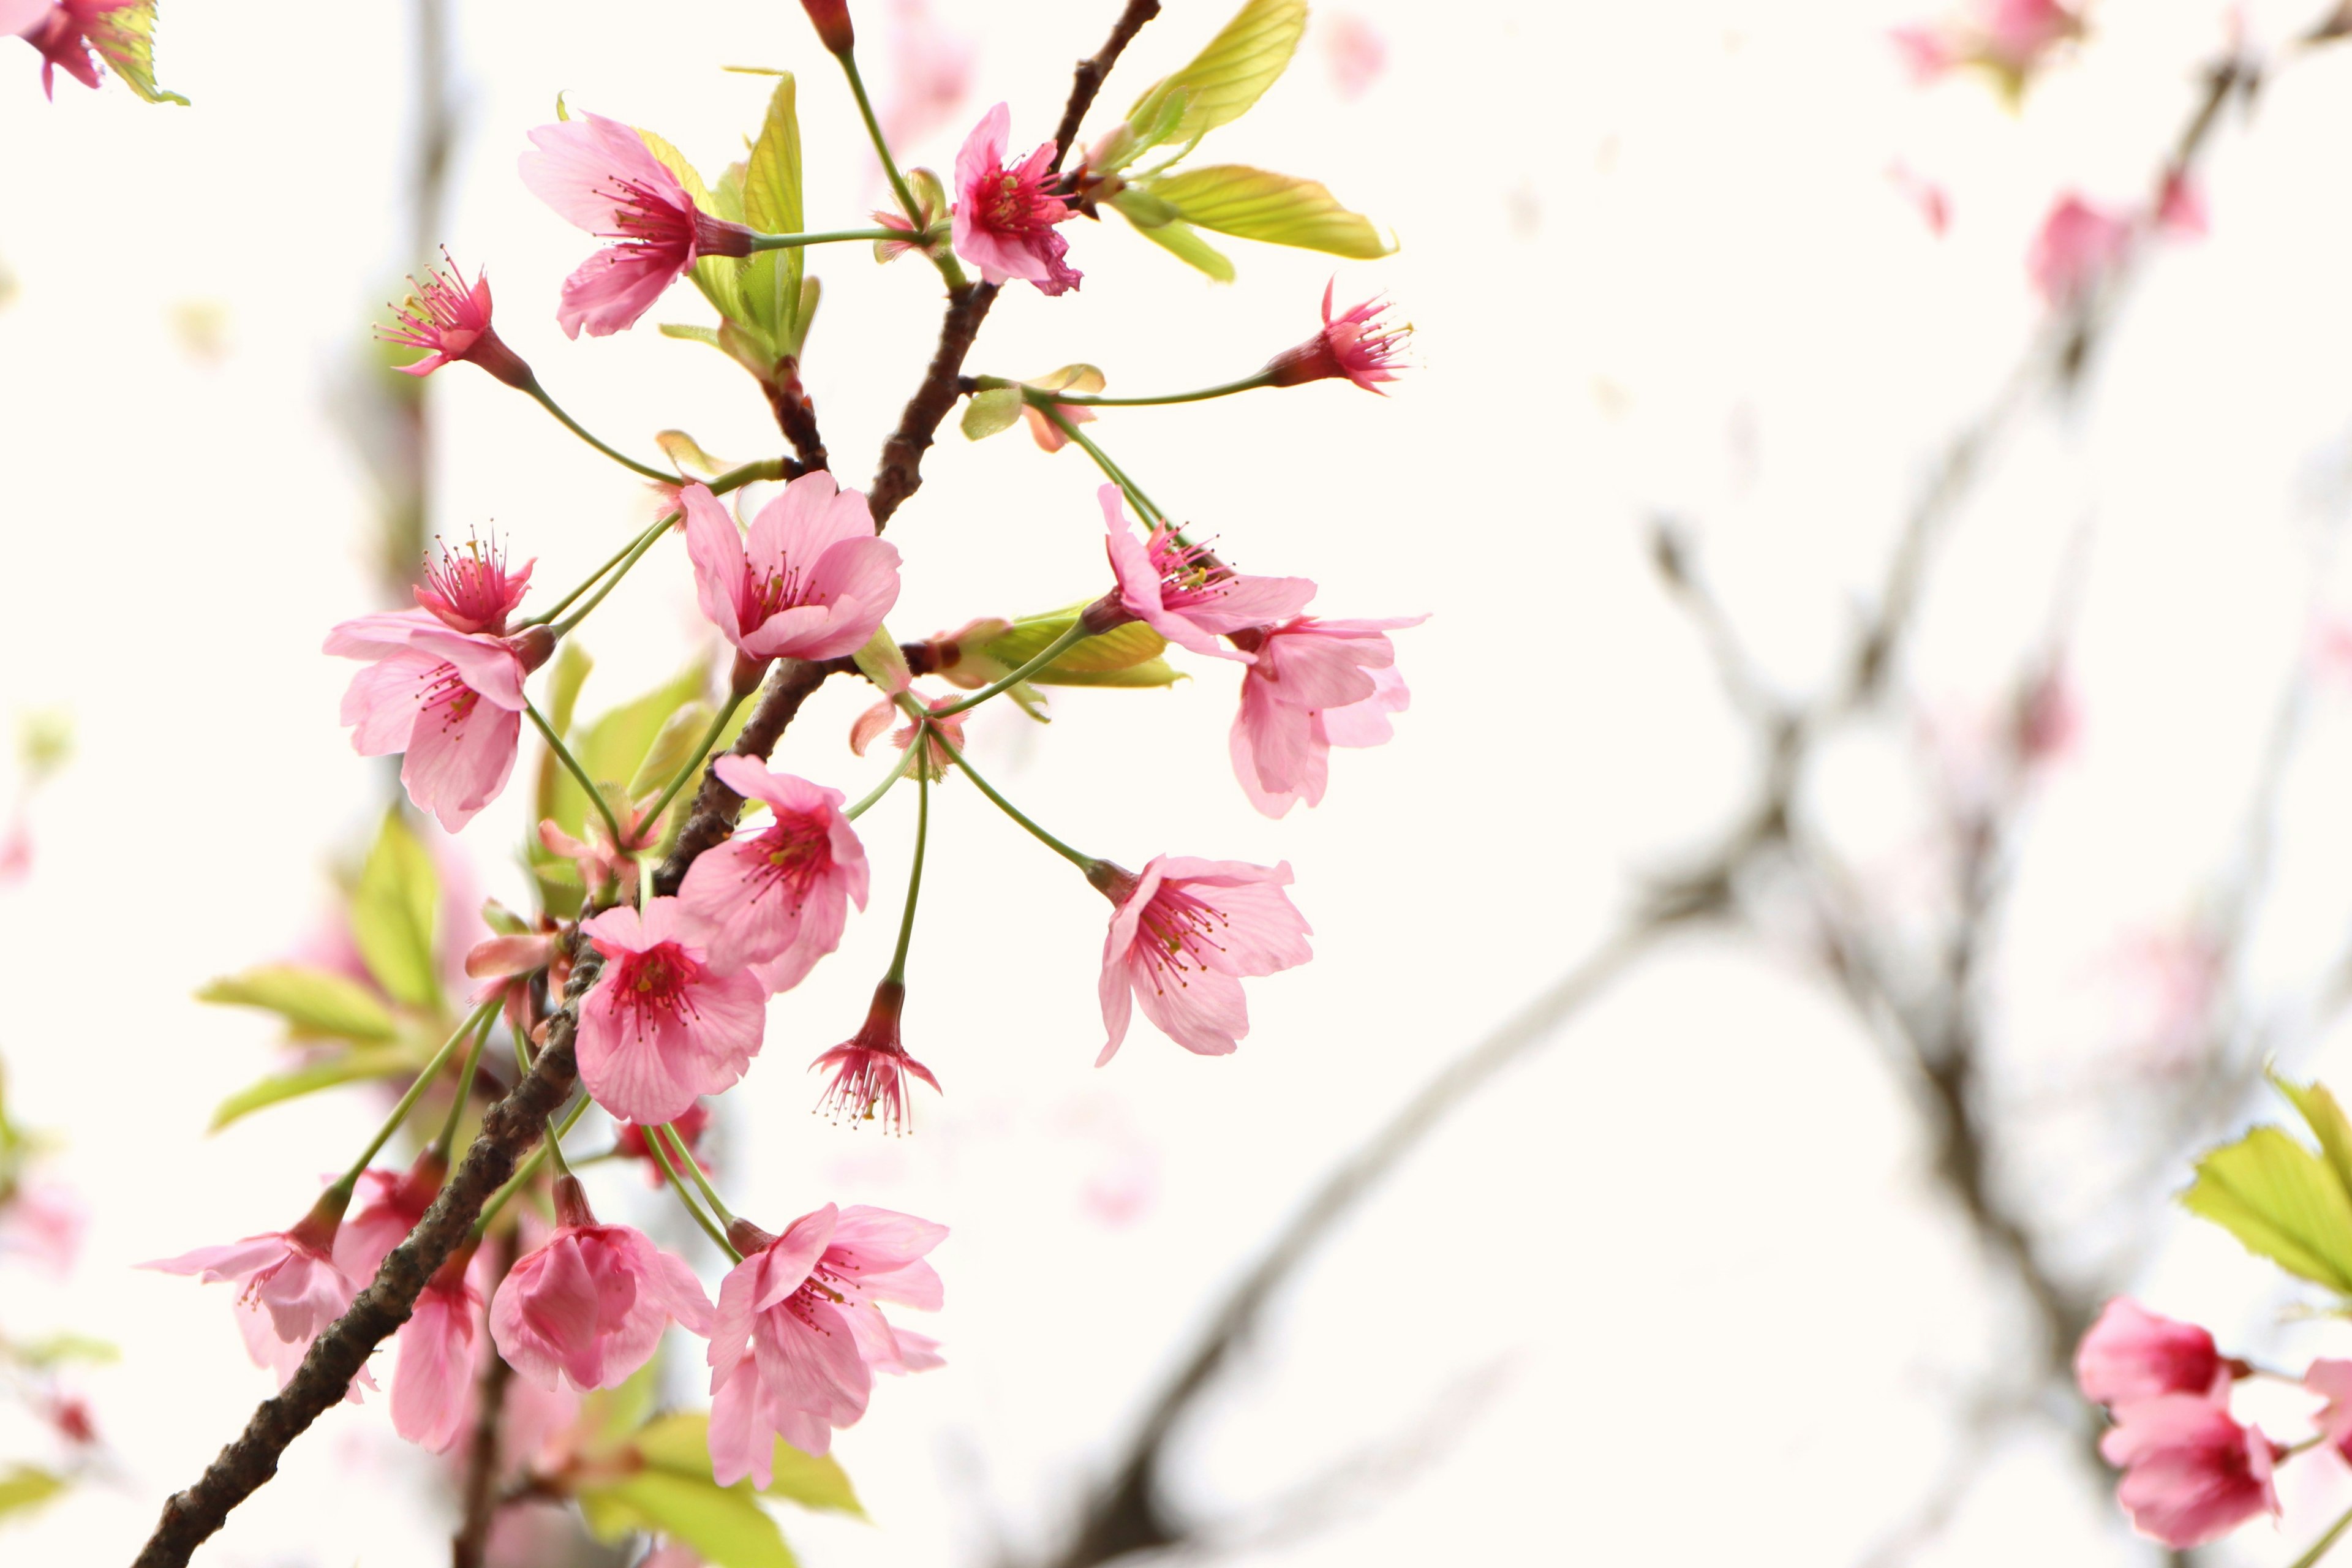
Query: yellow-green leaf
(564, 683)
(881, 662)
(312, 1000)
(1280, 209)
(771, 203)
(25, 1487)
(612, 749)
(128, 47)
(1222, 80)
(1180, 241)
(673, 748)
(987, 413)
(2282, 1202)
(718, 276)
(394, 911)
(680, 1443)
(350, 1068)
(2325, 1117)
(727, 1527)
(54, 1349)
(685, 454)
(1122, 648)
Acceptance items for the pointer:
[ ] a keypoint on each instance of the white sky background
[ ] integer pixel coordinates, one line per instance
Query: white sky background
(1690, 1252)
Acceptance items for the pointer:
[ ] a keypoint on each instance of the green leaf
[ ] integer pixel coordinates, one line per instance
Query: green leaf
(564, 683)
(312, 1000)
(680, 1443)
(24, 1487)
(350, 1068)
(881, 662)
(989, 412)
(1280, 209)
(727, 1527)
(718, 276)
(771, 203)
(673, 749)
(2282, 1202)
(393, 915)
(1224, 80)
(2325, 1117)
(692, 335)
(608, 1415)
(685, 454)
(1180, 241)
(54, 1349)
(129, 45)
(613, 748)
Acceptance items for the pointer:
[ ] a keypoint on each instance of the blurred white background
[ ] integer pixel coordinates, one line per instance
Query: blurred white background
(1682, 1285)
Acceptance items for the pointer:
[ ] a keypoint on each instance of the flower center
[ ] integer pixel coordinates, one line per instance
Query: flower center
(1188, 575)
(659, 979)
(797, 852)
(1175, 929)
(446, 691)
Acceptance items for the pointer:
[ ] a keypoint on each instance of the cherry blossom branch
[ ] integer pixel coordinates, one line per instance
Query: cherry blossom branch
(1093, 70)
(900, 474)
(468, 1547)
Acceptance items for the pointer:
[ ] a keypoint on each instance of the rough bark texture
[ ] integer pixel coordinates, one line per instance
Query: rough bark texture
(1094, 69)
(901, 472)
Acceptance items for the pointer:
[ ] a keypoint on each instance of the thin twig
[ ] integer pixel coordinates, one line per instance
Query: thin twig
(1092, 71)
(466, 1548)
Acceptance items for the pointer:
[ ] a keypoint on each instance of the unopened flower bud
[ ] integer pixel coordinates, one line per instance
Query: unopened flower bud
(831, 19)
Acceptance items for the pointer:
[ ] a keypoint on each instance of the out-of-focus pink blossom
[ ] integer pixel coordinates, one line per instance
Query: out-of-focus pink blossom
(2191, 1474)
(1316, 684)
(869, 1070)
(1187, 594)
(2048, 718)
(451, 322)
(931, 72)
(600, 862)
(470, 590)
(1185, 934)
(799, 1332)
(877, 719)
(15, 850)
(2332, 1380)
(43, 1223)
(811, 581)
(2180, 208)
(71, 36)
(1933, 203)
(71, 1418)
(452, 700)
(2077, 247)
(2011, 39)
(1004, 218)
(779, 897)
(1357, 345)
(391, 1204)
(661, 1026)
(631, 1141)
(288, 1288)
(432, 1387)
(588, 1306)
(1354, 50)
(600, 174)
(2132, 1353)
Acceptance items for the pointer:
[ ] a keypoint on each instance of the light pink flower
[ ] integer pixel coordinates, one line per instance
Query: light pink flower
(1316, 684)
(661, 1025)
(393, 1205)
(811, 582)
(600, 174)
(2332, 1380)
(71, 36)
(778, 898)
(433, 1388)
(931, 72)
(869, 1078)
(470, 589)
(1004, 218)
(452, 700)
(2010, 38)
(1355, 52)
(2077, 247)
(1184, 935)
(1187, 594)
(2131, 1353)
(2180, 208)
(1933, 203)
(1048, 434)
(288, 1288)
(798, 1332)
(877, 719)
(1357, 345)
(43, 1222)
(600, 862)
(450, 321)
(2191, 1474)
(588, 1305)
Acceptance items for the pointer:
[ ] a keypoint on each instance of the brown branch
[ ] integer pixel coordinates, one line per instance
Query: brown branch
(473, 1537)
(900, 474)
(1094, 69)
(509, 1129)
(795, 413)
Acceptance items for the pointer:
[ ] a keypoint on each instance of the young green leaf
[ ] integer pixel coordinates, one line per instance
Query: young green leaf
(680, 1443)
(130, 51)
(2325, 1117)
(312, 1000)
(1280, 209)
(612, 749)
(24, 1487)
(350, 1068)
(771, 203)
(394, 911)
(564, 682)
(1180, 240)
(990, 412)
(881, 662)
(2282, 1202)
(672, 749)
(1229, 76)
(725, 1527)
(720, 278)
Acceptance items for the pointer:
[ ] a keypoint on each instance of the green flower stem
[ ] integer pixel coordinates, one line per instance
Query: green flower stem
(1112, 471)
(677, 1185)
(733, 479)
(1083, 862)
(693, 763)
(529, 1168)
(945, 260)
(897, 975)
(1038, 397)
(568, 423)
(2319, 1548)
(795, 241)
(635, 552)
(878, 790)
(416, 1092)
(448, 1137)
(1053, 650)
(571, 765)
(693, 1168)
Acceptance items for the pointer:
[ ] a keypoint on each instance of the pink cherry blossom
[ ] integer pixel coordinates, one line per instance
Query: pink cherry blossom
(2332, 1380)
(1357, 345)
(432, 1387)
(42, 1221)
(72, 35)
(661, 1025)
(877, 719)
(2012, 40)
(798, 1332)
(2191, 1474)
(931, 72)
(1316, 684)
(600, 174)
(588, 1305)
(469, 589)
(1187, 594)
(2131, 1353)
(779, 897)
(601, 862)
(1183, 936)
(811, 581)
(869, 1078)
(1004, 218)
(1048, 434)
(391, 1204)
(451, 322)
(452, 700)
(288, 1288)
(2180, 208)
(1356, 53)
(2077, 247)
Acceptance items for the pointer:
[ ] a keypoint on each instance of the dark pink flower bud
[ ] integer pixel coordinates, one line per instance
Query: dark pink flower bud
(2132, 1353)
(831, 19)
(451, 322)
(1357, 345)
